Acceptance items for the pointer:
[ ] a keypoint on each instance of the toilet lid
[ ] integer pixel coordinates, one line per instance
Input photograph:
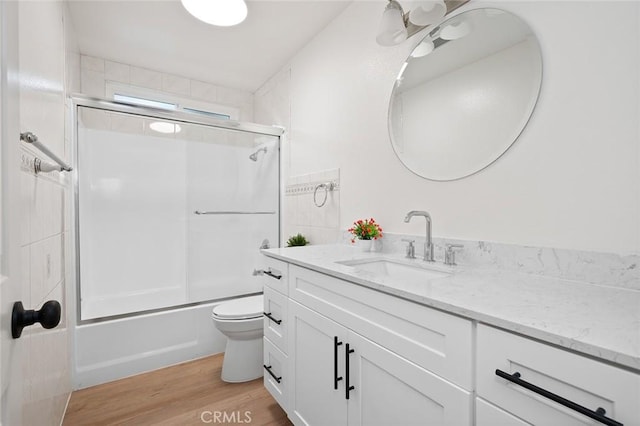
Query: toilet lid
(243, 308)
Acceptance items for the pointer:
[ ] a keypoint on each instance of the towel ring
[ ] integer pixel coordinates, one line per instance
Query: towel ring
(329, 186)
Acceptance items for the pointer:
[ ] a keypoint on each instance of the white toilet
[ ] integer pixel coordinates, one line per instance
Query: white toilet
(241, 321)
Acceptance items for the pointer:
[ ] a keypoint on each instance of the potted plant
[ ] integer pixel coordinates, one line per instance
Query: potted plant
(297, 240)
(368, 231)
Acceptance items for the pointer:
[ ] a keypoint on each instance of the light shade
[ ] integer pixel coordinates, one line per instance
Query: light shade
(455, 30)
(424, 48)
(427, 12)
(223, 13)
(392, 30)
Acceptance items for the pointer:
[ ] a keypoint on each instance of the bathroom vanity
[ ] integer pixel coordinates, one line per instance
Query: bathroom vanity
(348, 343)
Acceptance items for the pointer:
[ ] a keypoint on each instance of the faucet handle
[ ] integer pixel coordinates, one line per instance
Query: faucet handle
(411, 249)
(450, 254)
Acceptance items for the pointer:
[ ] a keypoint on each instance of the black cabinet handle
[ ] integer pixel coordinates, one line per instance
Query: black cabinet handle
(268, 315)
(268, 368)
(48, 316)
(272, 275)
(598, 415)
(347, 387)
(336, 379)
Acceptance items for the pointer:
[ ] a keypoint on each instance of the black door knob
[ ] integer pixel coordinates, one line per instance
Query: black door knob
(48, 316)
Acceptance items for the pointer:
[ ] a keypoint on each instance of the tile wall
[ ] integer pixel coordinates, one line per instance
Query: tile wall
(301, 214)
(96, 73)
(46, 369)
(45, 81)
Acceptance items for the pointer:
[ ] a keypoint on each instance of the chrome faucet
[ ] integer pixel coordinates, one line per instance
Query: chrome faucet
(428, 245)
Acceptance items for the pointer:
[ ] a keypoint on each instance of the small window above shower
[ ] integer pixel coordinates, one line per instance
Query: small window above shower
(150, 98)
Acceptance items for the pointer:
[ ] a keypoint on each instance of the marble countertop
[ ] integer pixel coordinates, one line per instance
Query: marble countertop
(600, 321)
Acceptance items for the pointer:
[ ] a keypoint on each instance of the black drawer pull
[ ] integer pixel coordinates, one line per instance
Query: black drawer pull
(336, 379)
(347, 387)
(268, 368)
(268, 315)
(598, 415)
(272, 275)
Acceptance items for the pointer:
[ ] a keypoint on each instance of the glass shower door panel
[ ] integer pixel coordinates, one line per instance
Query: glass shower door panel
(132, 196)
(233, 179)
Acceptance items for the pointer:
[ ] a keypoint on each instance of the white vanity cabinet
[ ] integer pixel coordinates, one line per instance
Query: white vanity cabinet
(276, 303)
(346, 354)
(360, 357)
(591, 384)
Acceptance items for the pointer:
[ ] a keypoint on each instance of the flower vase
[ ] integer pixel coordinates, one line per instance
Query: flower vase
(369, 245)
(364, 245)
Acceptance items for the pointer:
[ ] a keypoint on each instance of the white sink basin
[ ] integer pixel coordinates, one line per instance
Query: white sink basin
(406, 271)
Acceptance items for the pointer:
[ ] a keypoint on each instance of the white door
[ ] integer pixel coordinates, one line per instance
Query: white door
(313, 367)
(389, 390)
(10, 290)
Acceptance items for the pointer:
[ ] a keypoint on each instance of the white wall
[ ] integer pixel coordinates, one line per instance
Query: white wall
(570, 181)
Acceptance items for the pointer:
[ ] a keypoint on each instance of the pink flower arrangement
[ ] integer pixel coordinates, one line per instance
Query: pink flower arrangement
(366, 229)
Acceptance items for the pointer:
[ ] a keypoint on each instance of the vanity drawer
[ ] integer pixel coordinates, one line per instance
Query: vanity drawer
(586, 382)
(434, 340)
(276, 275)
(275, 318)
(275, 371)
(489, 415)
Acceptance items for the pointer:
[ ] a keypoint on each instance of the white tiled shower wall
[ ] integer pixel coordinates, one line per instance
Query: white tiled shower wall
(97, 73)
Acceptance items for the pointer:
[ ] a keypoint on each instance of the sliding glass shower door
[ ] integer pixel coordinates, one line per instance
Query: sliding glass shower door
(169, 212)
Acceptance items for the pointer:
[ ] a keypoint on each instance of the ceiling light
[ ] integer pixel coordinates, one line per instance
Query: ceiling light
(223, 13)
(392, 28)
(165, 127)
(428, 12)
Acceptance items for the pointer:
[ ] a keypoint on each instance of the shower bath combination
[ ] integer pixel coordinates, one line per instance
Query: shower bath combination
(241, 203)
(254, 156)
(173, 265)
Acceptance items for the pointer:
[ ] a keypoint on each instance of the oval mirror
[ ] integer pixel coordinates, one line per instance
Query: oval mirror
(465, 94)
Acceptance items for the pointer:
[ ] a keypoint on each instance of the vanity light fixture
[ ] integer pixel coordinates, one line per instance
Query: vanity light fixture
(222, 13)
(396, 26)
(427, 12)
(392, 28)
(455, 30)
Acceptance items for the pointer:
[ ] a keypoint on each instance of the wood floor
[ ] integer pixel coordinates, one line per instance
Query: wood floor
(181, 395)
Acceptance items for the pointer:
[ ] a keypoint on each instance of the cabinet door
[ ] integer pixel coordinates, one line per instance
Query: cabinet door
(314, 400)
(389, 390)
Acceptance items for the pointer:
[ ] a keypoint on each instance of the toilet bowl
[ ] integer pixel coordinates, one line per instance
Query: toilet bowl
(241, 321)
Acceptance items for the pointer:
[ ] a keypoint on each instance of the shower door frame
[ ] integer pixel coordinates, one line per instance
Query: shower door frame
(78, 101)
